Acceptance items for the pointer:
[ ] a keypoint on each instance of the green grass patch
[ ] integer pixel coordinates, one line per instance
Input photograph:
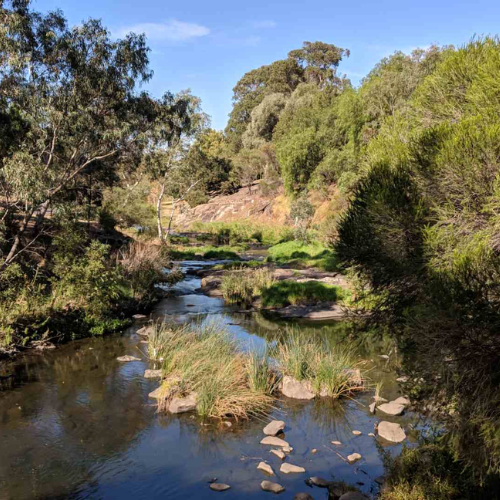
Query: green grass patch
(244, 232)
(284, 293)
(247, 264)
(297, 254)
(205, 252)
(244, 285)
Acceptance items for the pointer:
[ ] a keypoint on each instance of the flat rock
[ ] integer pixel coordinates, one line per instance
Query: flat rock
(391, 432)
(219, 487)
(279, 454)
(394, 409)
(372, 407)
(357, 433)
(402, 401)
(156, 394)
(183, 405)
(274, 427)
(354, 457)
(303, 496)
(296, 389)
(274, 441)
(272, 487)
(287, 468)
(265, 468)
(337, 443)
(127, 359)
(287, 449)
(139, 316)
(153, 374)
(371, 435)
(379, 399)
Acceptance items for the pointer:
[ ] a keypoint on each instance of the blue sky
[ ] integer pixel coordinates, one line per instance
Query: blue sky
(208, 45)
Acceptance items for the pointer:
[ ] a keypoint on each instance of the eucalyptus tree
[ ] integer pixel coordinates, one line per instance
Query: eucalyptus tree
(69, 107)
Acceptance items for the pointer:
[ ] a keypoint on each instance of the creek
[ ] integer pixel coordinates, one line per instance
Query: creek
(77, 424)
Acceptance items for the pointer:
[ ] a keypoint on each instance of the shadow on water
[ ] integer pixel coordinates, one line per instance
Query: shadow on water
(75, 423)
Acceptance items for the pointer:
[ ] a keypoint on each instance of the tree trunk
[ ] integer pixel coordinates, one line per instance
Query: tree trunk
(158, 212)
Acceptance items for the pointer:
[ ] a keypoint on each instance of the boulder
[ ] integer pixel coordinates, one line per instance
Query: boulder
(219, 486)
(183, 405)
(320, 482)
(272, 487)
(296, 389)
(287, 468)
(394, 409)
(274, 427)
(153, 374)
(274, 441)
(279, 454)
(402, 401)
(391, 432)
(265, 468)
(354, 457)
(127, 359)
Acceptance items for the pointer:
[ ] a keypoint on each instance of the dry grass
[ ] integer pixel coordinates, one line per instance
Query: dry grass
(205, 360)
(331, 370)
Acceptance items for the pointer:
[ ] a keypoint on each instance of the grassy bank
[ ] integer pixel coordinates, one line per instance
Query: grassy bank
(224, 252)
(84, 289)
(233, 233)
(301, 255)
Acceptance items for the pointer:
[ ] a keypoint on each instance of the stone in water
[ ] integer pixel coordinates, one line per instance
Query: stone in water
(274, 427)
(287, 468)
(265, 468)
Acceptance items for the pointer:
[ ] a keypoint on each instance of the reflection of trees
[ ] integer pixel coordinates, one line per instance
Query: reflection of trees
(78, 411)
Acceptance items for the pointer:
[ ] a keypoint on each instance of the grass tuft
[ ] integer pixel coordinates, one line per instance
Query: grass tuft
(297, 254)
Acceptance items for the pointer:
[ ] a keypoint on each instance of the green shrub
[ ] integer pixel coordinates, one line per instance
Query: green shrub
(298, 254)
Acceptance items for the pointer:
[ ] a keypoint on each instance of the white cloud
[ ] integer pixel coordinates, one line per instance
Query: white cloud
(264, 24)
(172, 30)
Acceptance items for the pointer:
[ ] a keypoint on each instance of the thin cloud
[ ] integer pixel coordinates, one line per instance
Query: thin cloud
(264, 24)
(170, 31)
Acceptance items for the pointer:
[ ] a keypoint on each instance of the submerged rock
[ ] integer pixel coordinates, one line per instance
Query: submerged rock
(353, 495)
(153, 374)
(265, 468)
(274, 427)
(394, 409)
(272, 487)
(219, 487)
(127, 359)
(296, 389)
(319, 482)
(274, 441)
(183, 405)
(303, 496)
(287, 468)
(354, 457)
(391, 432)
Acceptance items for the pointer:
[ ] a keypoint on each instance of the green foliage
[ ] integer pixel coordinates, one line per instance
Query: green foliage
(298, 254)
(284, 293)
(244, 285)
(423, 228)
